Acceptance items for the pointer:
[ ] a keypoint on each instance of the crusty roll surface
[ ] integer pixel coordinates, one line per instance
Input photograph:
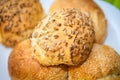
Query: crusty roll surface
(23, 66)
(65, 37)
(103, 64)
(0, 37)
(89, 7)
(18, 19)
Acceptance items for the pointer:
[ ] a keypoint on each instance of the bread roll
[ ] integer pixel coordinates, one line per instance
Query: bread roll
(103, 64)
(23, 66)
(89, 7)
(18, 19)
(65, 37)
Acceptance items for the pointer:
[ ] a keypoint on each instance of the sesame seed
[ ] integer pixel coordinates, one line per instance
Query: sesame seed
(56, 36)
(69, 37)
(56, 29)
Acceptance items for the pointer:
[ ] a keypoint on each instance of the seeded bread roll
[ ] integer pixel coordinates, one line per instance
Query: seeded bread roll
(89, 7)
(103, 64)
(18, 19)
(65, 37)
(23, 66)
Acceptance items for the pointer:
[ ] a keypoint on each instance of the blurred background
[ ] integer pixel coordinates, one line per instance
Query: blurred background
(116, 3)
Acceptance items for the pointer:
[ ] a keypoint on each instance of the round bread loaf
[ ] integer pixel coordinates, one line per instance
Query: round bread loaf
(103, 64)
(88, 6)
(23, 66)
(18, 19)
(65, 37)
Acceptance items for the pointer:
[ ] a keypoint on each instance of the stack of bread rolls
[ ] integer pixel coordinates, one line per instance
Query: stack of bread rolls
(64, 46)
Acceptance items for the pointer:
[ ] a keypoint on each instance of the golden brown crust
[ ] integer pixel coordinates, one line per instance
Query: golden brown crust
(18, 19)
(23, 66)
(103, 61)
(0, 37)
(87, 6)
(102, 64)
(111, 77)
(65, 37)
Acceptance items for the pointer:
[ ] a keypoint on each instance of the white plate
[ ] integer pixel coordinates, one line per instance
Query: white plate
(113, 38)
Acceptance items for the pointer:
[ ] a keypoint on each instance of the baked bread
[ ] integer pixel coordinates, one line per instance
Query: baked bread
(87, 6)
(103, 64)
(23, 66)
(18, 19)
(65, 37)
